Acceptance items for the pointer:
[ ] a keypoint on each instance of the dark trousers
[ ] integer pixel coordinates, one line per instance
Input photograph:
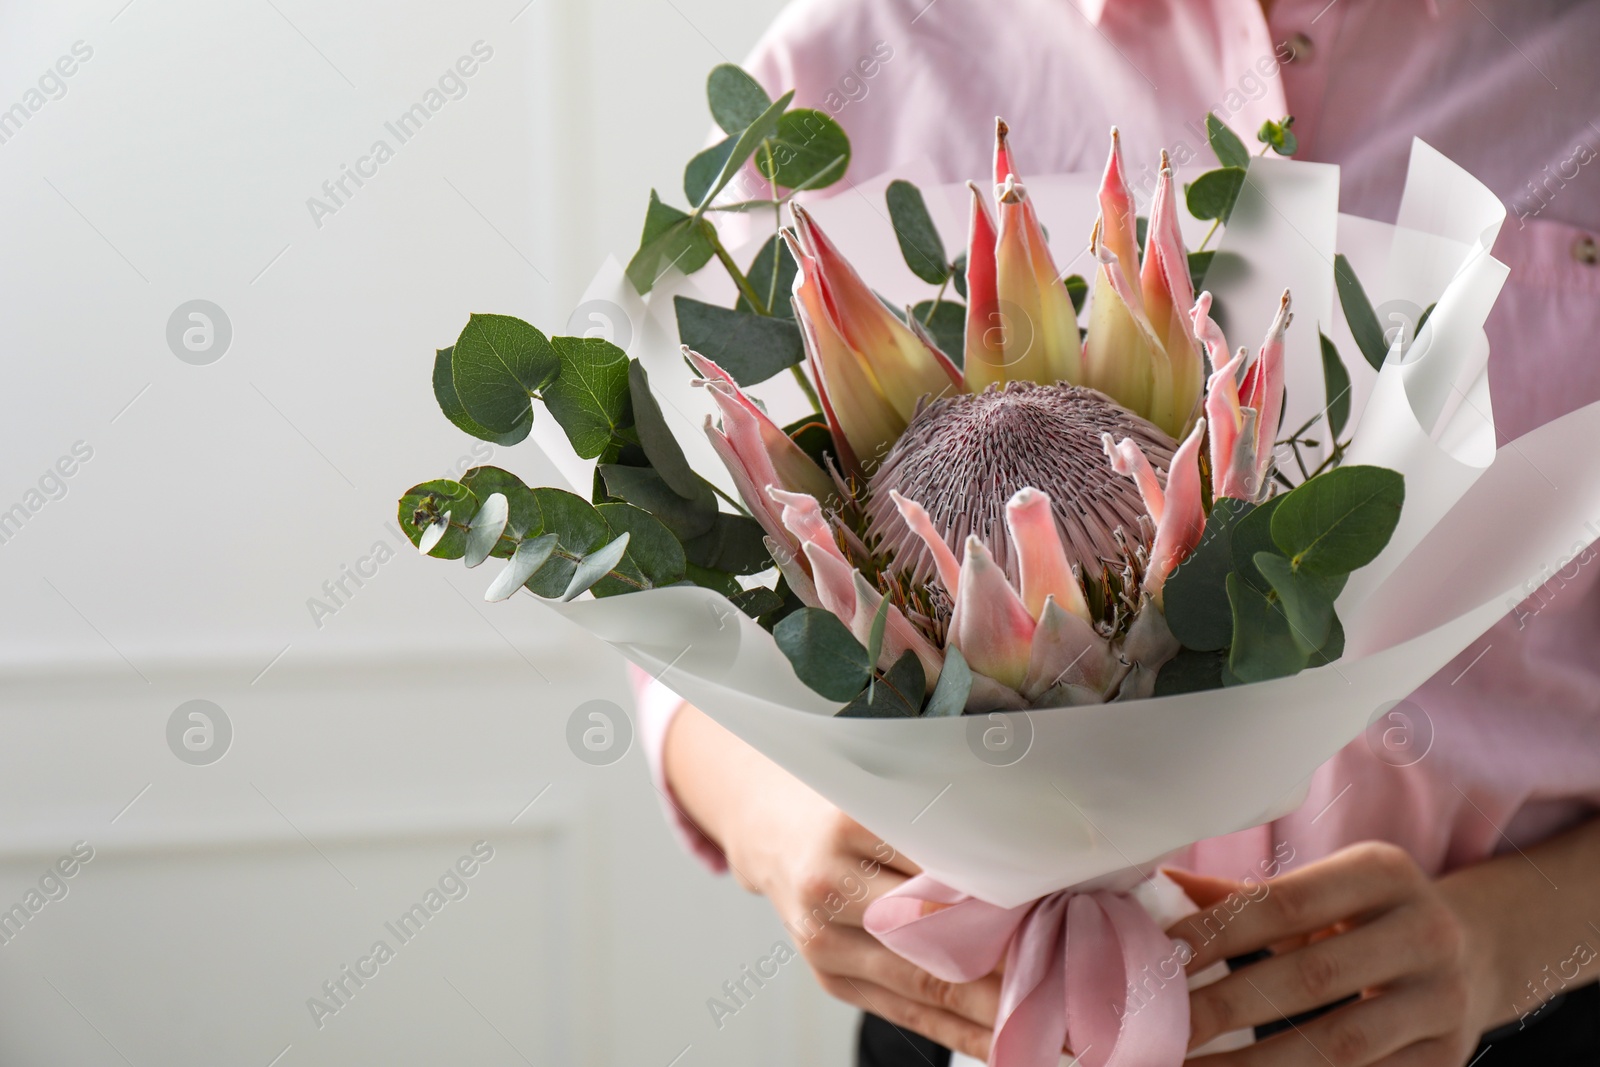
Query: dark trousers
(1565, 1034)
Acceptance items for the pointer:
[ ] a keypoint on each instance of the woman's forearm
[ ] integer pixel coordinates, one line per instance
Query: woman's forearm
(1540, 910)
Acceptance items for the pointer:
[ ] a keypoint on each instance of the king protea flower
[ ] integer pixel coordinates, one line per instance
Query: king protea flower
(1028, 507)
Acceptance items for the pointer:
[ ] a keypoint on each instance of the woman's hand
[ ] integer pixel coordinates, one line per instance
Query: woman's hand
(1364, 922)
(820, 869)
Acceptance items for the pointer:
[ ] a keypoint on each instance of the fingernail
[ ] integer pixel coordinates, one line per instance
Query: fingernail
(1182, 950)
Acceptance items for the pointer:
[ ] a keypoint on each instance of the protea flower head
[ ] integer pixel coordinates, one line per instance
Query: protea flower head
(1027, 509)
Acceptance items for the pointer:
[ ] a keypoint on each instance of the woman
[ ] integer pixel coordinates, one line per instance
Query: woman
(1436, 895)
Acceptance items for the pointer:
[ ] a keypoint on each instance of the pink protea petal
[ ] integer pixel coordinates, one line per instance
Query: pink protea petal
(985, 351)
(944, 560)
(1118, 214)
(904, 367)
(792, 565)
(1121, 353)
(1226, 421)
(1182, 520)
(990, 625)
(1129, 460)
(802, 516)
(1168, 294)
(1263, 390)
(835, 582)
(1042, 565)
(1004, 165)
(1041, 328)
(1207, 332)
(1067, 651)
(761, 507)
(863, 421)
(768, 454)
(899, 635)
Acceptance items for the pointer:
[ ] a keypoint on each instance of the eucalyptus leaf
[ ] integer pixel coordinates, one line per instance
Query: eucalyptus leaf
(824, 653)
(1077, 291)
(423, 505)
(750, 347)
(595, 566)
(523, 508)
(1199, 263)
(671, 238)
(721, 581)
(590, 397)
(1340, 520)
(1230, 151)
(776, 291)
(654, 555)
(1263, 644)
(580, 531)
(808, 149)
(444, 391)
(736, 98)
(896, 695)
(950, 692)
(704, 168)
(487, 526)
(1252, 534)
(958, 277)
(525, 561)
(433, 534)
(880, 620)
(946, 323)
(1211, 196)
(1336, 385)
(735, 543)
(686, 517)
(1358, 313)
(1306, 599)
(757, 602)
(497, 363)
(919, 238)
(1195, 596)
(764, 126)
(656, 438)
(1279, 136)
(1193, 671)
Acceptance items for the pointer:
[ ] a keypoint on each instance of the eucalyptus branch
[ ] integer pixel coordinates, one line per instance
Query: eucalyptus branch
(745, 288)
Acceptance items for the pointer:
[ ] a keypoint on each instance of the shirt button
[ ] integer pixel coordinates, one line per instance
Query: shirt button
(1300, 48)
(1586, 250)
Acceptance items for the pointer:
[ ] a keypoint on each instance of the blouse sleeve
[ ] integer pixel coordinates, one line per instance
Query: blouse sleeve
(656, 706)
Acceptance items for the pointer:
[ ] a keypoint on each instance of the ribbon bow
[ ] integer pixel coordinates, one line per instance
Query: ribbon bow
(1083, 970)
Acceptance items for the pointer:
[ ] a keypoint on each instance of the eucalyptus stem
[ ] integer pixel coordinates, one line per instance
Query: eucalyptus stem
(805, 387)
(745, 288)
(936, 298)
(717, 490)
(1209, 234)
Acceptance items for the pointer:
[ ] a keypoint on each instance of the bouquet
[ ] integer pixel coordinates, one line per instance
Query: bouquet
(1039, 594)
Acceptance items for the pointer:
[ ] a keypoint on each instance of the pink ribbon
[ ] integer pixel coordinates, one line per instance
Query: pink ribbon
(1089, 971)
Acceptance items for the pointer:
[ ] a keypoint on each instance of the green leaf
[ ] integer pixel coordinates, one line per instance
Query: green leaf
(1199, 263)
(686, 517)
(750, 347)
(814, 439)
(524, 513)
(1211, 195)
(777, 295)
(764, 126)
(654, 554)
(1423, 319)
(735, 543)
(671, 238)
(809, 149)
(704, 168)
(721, 581)
(590, 397)
(1230, 151)
(896, 695)
(946, 322)
(487, 526)
(736, 99)
(580, 531)
(1195, 595)
(950, 692)
(660, 446)
(1336, 384)
(497, 363)
(1279, 136)
(1263, 645)
(1359, 314)
(423, 504)
(1193, 671)
(880, 619)
(958, 276)
(595, 566)
(919, 238)
(1340, 520)
(1332, 648)
(444, 391)
(824, 653)
(757, 602)
(1077, 290)
(1252, 534)
(1306, 599)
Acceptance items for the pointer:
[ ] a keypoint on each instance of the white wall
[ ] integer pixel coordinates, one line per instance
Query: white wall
(373, 747)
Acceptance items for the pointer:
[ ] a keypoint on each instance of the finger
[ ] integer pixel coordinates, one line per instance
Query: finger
(949, 1030)
(1359, 1035)
(1321, 973)
(1353, 883)
(857, 954)
(839, 894)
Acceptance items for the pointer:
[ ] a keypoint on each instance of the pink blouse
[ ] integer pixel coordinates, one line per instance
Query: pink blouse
(1502, 748)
